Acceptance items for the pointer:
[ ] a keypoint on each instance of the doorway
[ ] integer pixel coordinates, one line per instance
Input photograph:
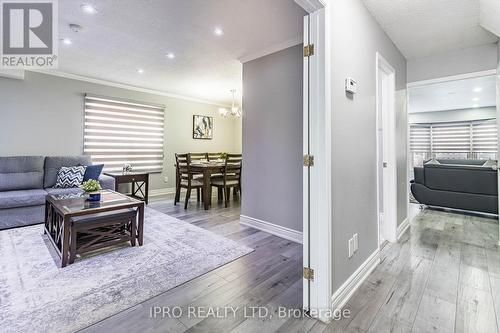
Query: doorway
(386, 151)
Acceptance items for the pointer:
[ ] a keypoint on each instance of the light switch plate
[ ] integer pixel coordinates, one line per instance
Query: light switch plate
(355, 240)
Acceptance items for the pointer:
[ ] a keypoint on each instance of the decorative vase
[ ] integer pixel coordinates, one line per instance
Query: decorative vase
(95, 196)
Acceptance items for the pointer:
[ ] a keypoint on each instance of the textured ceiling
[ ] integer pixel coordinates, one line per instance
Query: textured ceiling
(125, 35)
(453, 95)
(421, 28)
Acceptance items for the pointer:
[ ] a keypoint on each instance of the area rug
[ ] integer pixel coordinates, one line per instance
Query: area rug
(37, 296)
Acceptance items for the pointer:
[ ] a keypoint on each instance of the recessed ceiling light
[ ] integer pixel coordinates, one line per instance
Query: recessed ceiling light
(89, 9)
(475, 105)
(475, 99)
(140, 71)
(66, 41)
(218, 31)
(170, 55)
(478, 89)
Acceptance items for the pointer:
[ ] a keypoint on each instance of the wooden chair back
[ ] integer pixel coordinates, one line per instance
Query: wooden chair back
(198, 156)
(183, 167)
(232, 169)
(213, 156)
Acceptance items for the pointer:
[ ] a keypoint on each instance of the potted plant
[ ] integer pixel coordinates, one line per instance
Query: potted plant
(223, 156)
(92, 188)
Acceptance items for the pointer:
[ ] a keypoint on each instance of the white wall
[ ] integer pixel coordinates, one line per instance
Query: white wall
(43, 115)
(354, 163)
(453, 115)
(463, 61)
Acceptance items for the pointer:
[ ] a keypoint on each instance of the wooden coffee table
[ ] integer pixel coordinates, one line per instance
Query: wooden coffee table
(61, 209)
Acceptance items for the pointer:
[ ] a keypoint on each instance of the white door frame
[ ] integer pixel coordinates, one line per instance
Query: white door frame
(498, 147)
(317, 229)
(389, 142)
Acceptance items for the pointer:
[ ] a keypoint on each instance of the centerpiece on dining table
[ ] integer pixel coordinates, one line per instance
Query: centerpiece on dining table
(92, 188)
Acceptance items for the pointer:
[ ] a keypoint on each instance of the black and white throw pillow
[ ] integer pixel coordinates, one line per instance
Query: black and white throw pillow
(70, 177)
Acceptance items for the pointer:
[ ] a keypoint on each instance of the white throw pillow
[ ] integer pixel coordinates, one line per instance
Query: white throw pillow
(490, 163)
(70, 177)
(433, 161)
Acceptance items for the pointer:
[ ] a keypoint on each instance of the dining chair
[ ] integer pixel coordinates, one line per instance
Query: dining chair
(198, 156)
(213, 156)
(185, 179)
(231, 177)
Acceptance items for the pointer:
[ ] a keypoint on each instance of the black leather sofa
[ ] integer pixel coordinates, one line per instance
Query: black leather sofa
(458, 184)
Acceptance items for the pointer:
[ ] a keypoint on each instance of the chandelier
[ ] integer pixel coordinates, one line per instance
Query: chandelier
(235, 111)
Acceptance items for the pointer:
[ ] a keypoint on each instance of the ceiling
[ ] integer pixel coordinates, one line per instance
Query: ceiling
(453, 95)
(126, 35)
(420, 28)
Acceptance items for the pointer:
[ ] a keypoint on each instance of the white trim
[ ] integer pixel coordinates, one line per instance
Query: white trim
(403, 227)
(320, 122)
(311, 6)
(271, 49)
(451, 78)
(162, 191)
(389, 129)
(17, 74)
(274, 229)
(305, 171)
(497, 73)
(346, 290)
(125, 86)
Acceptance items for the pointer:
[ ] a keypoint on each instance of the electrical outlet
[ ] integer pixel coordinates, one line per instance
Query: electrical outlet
(351, 247)
(355, 240)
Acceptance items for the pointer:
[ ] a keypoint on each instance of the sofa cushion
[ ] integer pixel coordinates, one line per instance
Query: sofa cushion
(461, 178)
(93, 172)
(22, 198)
(70, 177)
(64, 191)
(54, 163)
(21, 173)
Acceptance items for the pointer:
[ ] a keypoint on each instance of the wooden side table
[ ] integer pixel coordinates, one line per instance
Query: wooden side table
(139, 181)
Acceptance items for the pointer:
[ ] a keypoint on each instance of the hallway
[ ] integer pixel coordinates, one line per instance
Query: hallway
(443, 276)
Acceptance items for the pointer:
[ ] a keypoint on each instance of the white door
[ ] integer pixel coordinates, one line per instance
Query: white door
(317, 232)
(386, 151)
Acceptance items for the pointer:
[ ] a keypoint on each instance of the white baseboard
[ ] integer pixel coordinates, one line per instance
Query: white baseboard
(283, 232)
(344, 293)
(403, 227)
(162, 191)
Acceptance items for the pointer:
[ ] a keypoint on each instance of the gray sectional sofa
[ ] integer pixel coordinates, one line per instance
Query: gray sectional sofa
(26, 180)
(458, 184)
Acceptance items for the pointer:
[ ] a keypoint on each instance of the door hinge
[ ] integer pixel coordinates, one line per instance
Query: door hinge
(308, 160)
(308, 273)
(309, 50)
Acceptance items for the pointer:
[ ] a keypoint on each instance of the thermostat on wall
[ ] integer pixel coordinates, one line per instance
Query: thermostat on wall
(350, 85)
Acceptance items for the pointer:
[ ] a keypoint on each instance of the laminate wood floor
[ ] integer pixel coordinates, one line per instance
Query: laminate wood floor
(443, 276)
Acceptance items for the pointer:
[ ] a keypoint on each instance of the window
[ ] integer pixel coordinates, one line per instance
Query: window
(472, 139)
(118, 132)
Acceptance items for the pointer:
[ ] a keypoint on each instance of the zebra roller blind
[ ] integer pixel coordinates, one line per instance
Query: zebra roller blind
(472, 138)
(118, 132)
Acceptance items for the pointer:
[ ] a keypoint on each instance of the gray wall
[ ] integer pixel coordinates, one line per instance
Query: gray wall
(354, 163)
(272, 138)
(453, 115)
(43, 115)
(463, 61)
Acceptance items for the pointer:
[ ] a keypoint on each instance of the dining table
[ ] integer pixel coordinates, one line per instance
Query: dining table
(207, 169)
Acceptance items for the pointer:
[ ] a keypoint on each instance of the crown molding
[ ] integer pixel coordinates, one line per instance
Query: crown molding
(126, 86)
(271, 49)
